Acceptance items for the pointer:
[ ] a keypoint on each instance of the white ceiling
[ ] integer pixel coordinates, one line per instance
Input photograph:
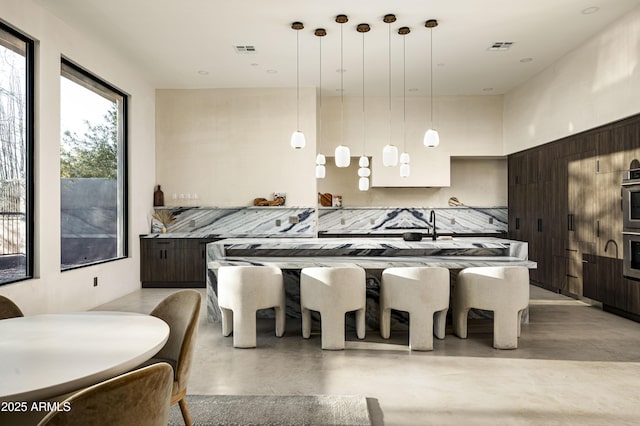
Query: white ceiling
(175, 42)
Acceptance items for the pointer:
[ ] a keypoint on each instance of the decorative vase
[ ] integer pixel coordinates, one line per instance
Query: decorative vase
(158, 197)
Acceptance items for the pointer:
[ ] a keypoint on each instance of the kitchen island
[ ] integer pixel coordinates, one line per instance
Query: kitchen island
(372, 254)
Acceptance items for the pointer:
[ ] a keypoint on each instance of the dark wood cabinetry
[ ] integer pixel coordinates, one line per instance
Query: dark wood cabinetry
(565, 201)
(173, 262)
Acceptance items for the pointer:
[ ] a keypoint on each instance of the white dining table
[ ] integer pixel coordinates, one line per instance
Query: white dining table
(44, 356)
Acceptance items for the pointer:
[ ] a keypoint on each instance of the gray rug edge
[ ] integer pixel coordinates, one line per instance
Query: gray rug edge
(368, 410)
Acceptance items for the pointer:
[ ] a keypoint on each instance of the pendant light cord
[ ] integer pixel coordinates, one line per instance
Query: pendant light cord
(363, 108)
(298, 79)
(431, 72)
(320, 86)
(404, 92)
(390, 132)
(341, 87)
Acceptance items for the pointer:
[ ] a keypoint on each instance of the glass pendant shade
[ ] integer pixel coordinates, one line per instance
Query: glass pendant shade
(404, 158)
(431, 138)
(321, 172)
(364, 172)
(343, 156)
(390, 156)
(364, 161)
(405, 169)
(363, 184)
(321, 160)
(297, 140)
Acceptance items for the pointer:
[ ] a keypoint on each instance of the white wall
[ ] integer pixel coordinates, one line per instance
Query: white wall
(595, 84)
(230, 146)
(468, 126)
(52, 290)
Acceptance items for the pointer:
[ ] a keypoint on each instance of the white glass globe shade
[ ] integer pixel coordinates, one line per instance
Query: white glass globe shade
(390, 156)
(405, 169)
(364, 172)
(321, 160)
(404, 158)
(431, 138)
(343, 156)
(364, 161)
(297, 140)
(363, 184)
(321, 171)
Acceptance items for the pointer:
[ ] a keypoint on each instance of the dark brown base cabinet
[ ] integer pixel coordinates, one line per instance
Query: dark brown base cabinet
(565, 201)
(173, 262)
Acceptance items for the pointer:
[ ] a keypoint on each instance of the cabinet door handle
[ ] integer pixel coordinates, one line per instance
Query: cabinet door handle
(571, 276)
(570, 224)
(539, 225)
(598, 229)
(160, 254)
(573, 250)
(517, 223)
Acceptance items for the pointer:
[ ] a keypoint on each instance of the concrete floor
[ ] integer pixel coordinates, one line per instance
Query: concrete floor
(575, 365)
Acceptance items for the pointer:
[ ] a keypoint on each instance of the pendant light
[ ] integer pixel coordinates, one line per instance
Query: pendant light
(431, 137)
(405, 169)
(390, 151)
(321, 160)
(364, 172)
(297, 138)
(342, 153)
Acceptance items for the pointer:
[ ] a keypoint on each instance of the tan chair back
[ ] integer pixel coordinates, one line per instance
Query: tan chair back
(140, 398)
(181, 310)
(8, 309)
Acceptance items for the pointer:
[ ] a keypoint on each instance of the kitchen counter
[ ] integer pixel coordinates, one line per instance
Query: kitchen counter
(372, 254)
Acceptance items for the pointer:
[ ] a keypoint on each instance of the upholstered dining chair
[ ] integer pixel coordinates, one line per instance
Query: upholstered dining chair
(8, 309)
(140, 397)
(181, 310)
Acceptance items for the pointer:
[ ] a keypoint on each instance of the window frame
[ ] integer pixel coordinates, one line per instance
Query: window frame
(82, 76)
(29, 55)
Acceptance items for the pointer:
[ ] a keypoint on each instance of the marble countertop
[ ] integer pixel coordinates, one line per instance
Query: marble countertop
(371, 253)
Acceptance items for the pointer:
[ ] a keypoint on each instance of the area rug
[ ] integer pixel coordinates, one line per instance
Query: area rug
(274, 410)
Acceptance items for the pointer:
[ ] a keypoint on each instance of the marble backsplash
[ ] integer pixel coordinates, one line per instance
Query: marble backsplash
(261, 222)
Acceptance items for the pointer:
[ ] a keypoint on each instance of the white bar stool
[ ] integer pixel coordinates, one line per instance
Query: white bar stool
(503, 290)
(333, 292)
(242, 291)
(423, 292)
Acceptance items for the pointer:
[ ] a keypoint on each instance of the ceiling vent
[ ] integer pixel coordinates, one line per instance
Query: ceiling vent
(245, 49)
(501, 45)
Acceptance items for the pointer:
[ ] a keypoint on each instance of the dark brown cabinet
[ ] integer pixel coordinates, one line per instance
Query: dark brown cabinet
(565, 201)
(173, 262)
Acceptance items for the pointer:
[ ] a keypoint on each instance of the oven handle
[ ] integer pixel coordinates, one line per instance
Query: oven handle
(636, 233)
(631, 183)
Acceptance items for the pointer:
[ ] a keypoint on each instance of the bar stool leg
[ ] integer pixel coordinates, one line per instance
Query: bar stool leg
(360, 323)
(505, 329)
(244, 329)
(440, 323)
(421, 331)
(332, 324)
(306, 323)
(460, 322)
(227, 321)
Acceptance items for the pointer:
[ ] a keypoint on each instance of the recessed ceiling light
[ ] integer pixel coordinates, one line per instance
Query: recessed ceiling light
(590, 10)
(272, 71)
(341, 70)
(488, 89)
(203, 72)
(245, 49)
(254, 64)
(525, 60)
(413, 89)
(500, 45)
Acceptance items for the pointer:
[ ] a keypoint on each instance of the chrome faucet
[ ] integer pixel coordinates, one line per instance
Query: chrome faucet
(432, 219)
(607, 245)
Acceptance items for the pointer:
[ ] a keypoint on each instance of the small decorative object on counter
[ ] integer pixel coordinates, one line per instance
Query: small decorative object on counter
(337, 201)
(280, 198)
(453, 202)
(263, 202)
(158, 197)
(326, 200)
(161, 220)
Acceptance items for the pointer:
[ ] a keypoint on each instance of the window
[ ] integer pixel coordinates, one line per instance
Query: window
(93, 183)
(16, 156)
